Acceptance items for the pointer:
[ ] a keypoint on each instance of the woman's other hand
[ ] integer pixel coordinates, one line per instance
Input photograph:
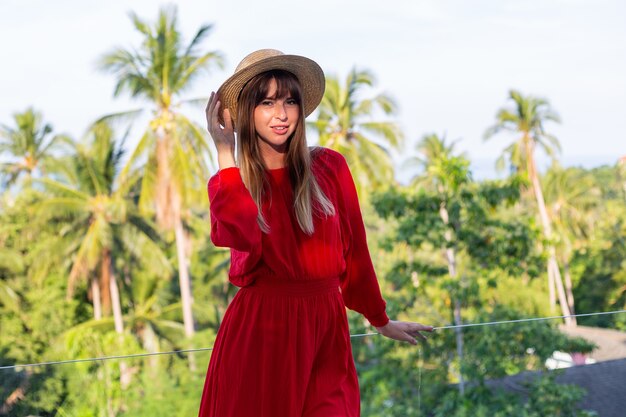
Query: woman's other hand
(404, 331)
(223, 136)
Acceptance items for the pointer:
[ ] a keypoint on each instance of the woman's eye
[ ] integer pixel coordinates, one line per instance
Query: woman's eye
(292, 102)
(266, 102)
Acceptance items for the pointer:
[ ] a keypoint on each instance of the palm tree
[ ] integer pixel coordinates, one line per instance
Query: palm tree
(149, 321)
(99, 216)
(430, 148)
(98, 220)
(527, 120)
(444, 174)
(571, 198)
(345, 123)
(28, 146)
(175, 148)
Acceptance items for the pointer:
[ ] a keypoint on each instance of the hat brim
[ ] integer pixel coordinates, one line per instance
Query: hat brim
(309, 74)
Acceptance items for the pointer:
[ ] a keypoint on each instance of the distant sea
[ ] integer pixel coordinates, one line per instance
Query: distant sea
(484, 168)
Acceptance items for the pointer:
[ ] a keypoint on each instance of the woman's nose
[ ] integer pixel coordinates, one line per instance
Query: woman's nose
(279, 111)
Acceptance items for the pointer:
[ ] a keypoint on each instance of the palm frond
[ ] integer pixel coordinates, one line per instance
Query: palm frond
(60, 189)
(389, 130)
(121, 117)
(9, 298)
(192, 68)
(145, 144)
(200, 35)
(195, 102)
(196, 139)
(148, 186)
(344, 119)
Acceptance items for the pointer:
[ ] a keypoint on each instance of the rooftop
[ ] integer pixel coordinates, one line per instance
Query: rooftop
(605, 383)
(611, 343)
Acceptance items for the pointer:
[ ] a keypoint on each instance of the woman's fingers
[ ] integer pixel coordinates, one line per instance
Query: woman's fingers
(415, 329)
(223, 136)
(421, 328)
(215, 124)
(410, 339)
(210, 110)
(228, 122)
(405, 331)
(421, 336)
(401, 333)
(208, 105)
(212, 113)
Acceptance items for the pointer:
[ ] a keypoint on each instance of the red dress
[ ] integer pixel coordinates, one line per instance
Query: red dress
(283, 348)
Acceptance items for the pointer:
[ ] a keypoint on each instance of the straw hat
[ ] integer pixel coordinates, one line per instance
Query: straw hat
(307, 71)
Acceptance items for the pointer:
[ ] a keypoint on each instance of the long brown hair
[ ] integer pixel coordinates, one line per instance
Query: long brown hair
(309, 199)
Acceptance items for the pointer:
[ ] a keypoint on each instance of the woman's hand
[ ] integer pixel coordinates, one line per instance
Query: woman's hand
(404, 331)
(223, 137)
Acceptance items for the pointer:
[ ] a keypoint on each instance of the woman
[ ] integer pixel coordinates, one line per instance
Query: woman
(291, 217)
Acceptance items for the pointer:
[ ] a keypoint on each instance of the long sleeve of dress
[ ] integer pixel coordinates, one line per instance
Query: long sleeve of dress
(234, 223)
(359, 285)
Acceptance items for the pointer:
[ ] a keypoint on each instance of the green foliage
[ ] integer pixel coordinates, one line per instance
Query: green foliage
(544, 398)
(159, 71)
(526, 118)
(600, 273)
(347, 123)
(162, 66)
(28, 146)
(489, 240)
(493, 249)
(519, 346)
(447, 249)
(174, 393)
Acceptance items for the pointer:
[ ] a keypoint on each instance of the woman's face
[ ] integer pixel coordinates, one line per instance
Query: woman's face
(276, 118)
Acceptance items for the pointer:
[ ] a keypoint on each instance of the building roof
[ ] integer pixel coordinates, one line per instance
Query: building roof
(605, 383)
(611, 343)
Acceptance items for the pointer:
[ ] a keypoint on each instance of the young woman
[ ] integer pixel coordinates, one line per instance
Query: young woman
(291, 217)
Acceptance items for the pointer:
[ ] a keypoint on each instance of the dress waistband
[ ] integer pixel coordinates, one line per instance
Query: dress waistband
(293, 287)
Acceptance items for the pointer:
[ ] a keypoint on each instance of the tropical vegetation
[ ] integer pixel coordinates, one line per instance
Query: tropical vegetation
(105, 251)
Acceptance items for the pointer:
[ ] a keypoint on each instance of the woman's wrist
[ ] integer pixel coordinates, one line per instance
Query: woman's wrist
(225, 159)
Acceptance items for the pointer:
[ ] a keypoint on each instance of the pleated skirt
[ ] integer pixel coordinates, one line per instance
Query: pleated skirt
(283, 350)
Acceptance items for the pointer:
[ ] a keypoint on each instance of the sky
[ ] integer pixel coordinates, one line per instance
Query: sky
(449, 64)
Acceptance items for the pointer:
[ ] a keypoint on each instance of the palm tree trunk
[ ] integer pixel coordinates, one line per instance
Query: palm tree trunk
(96, 299)
(183, 268)
(105, 289)
(184, 280)
(569, 287)
(183, 274)
(553, 266)
(118, 320)
(169, 215)
(551, 289)
(164, 180)
(117, 306)
(452, 271)
(150, 343)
